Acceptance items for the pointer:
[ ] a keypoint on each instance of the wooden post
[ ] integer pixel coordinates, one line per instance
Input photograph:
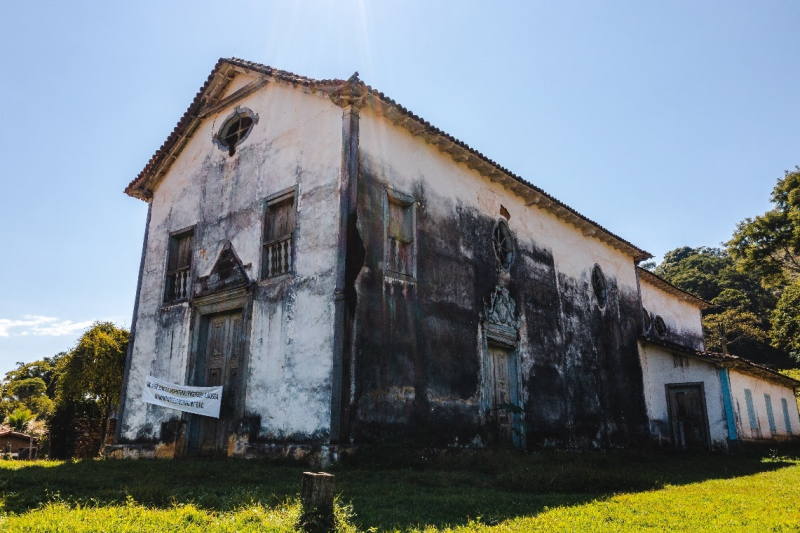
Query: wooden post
(316, 495)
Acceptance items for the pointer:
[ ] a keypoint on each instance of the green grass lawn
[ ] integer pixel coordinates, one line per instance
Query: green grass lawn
(547, 491)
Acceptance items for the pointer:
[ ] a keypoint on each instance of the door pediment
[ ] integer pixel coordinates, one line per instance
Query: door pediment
(228, 274)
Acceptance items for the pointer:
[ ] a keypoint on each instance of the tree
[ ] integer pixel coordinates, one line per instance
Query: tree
(708, 272)
(20, 418)
(30, 385)
(769, 245)
(785, 321)
(92, 371)
(32, 393)
(731, 326)
(43, 368)
(25, 389)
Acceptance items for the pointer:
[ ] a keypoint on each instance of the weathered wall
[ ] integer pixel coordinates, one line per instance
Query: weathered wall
(759, 387)
(661, 367)
(418, 353)
(684, 320)
(296, 142)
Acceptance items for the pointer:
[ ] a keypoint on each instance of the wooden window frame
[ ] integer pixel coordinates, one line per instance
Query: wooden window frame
(405, 200)
(177, 235)
(273, 199)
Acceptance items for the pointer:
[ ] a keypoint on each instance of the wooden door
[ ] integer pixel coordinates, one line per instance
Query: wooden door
(687, 415)
(503, 393)
(219, 365)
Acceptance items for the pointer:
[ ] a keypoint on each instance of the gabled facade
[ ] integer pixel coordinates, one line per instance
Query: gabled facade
(352, 274)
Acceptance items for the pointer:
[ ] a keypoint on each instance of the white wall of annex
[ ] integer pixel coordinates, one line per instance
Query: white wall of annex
(680, 316)
(759, 387)
(660, 368)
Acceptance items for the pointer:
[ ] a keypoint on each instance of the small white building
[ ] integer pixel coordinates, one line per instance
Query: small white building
(350, 273)
(699, 399)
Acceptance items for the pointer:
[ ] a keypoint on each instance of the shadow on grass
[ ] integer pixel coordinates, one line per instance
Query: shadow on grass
(436, 491)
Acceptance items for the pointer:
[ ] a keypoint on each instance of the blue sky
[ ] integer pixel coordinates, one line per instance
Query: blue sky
(667, 122)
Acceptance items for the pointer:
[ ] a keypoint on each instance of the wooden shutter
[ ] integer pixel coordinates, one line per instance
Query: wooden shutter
(400, 236)
(278, 229)
(179, 263)
(280, 220)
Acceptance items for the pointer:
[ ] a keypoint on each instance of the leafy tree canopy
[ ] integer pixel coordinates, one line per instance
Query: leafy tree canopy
(25, 389)
(731, 326)
(44, 369)
(93, 369)
(769, 244)
(713, 274)
(786, 321)
(20, 419)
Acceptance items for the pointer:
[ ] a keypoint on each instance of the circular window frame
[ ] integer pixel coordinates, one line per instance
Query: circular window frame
(648, 320)
(497, 244)
(599, 286)
(222, 132)
(660, 326)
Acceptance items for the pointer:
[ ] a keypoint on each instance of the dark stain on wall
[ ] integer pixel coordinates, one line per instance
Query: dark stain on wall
(418, 352)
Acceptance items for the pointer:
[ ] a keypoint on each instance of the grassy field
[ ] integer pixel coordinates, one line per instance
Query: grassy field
(498, 492)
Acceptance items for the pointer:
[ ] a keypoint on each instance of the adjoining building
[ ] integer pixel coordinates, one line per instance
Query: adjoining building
(700, 399)
(18, 445)
(351, 274)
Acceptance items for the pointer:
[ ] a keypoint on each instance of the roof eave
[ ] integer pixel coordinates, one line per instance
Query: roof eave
(145, 183)
(727, 361)
(659, 282)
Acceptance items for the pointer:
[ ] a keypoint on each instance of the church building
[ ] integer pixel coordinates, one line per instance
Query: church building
(351, 274)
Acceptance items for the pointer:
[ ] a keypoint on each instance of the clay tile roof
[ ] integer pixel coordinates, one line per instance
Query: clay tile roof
(223, 73)
(726, 360)
(12, 433)
(657, 281)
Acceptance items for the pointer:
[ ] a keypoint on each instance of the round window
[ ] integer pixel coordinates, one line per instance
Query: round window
(503, 244)
(599, 285)
(235, 129)
(648, 320)
(660, 326)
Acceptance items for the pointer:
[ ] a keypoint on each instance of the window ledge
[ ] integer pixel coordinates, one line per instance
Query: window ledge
(396, 276)
(174, 303)
(275, 279)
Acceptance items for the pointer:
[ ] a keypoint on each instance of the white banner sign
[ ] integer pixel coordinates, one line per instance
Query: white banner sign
(199, 400)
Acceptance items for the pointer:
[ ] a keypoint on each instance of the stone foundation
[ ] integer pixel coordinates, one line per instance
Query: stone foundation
(313, 455)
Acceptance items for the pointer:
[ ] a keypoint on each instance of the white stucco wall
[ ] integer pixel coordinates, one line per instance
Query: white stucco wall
(410, 159)
(683, 319)
(759, 387)
(404, 161)
(296, 143)
(660, 368)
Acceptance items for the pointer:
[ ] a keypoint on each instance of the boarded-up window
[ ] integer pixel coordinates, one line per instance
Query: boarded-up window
(785, 406)
(770, 414)
(179, 266)
(277, 253)
(400, 245)
(751, 410)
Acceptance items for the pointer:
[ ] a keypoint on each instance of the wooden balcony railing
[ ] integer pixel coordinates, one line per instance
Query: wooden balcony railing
(278, 257)
(178, 285)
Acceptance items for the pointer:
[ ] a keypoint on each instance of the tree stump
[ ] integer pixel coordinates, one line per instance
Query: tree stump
(316, 496)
